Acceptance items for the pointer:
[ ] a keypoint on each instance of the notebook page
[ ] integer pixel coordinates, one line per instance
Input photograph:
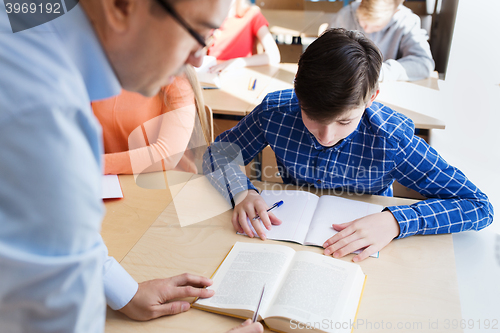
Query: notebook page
(332, 209)
(295, 213)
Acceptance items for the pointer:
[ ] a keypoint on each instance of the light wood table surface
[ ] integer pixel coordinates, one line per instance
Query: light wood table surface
(412, 284)
(283, 79)
(290, 22)
(127, 219)
(234, 97)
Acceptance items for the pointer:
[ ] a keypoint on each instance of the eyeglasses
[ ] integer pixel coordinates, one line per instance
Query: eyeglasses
(199, 38)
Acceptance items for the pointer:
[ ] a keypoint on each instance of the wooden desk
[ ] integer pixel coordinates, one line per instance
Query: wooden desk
(405, 97)
(234, 98)
(412, 284)
(127, 219)
(290, 22)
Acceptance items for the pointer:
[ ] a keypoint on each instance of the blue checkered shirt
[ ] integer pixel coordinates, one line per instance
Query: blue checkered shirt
(382, 149)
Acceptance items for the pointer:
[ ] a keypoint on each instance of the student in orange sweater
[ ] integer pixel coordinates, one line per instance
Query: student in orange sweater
(144, 134)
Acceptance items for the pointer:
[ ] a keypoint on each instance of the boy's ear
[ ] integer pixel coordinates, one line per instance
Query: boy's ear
(374, 96)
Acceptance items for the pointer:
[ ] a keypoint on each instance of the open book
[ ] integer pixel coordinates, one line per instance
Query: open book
(307, 219)
(207, 79)
(301, 288)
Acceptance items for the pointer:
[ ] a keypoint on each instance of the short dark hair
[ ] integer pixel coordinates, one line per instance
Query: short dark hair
(339, 71)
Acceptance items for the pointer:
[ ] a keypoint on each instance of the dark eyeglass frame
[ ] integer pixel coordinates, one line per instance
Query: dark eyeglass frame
(182, 22)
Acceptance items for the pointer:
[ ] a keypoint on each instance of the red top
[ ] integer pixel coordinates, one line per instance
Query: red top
(236, 36)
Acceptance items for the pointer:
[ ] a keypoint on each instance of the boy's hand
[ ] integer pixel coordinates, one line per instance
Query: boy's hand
(248, 205)
(372, 232)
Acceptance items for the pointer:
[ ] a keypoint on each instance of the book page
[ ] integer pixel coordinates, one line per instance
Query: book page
(318, 289)
(295, 213)
(332, 209)
(239, 280)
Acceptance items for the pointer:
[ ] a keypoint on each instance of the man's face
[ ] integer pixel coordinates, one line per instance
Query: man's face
(155, 46)
(329, 134)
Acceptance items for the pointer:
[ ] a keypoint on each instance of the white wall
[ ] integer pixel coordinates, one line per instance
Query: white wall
(470, 99)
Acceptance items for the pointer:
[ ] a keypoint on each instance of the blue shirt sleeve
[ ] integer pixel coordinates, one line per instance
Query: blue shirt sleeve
(224, 160)
(454, 203)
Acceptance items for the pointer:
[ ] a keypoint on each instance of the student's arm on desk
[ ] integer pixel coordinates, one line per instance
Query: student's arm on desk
(454, 203)
(222, 165)
(271, 55)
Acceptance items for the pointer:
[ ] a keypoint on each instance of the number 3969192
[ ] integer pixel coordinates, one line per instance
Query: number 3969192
(33, 8)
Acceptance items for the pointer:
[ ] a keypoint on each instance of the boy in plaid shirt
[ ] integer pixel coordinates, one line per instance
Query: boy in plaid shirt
(329, 132)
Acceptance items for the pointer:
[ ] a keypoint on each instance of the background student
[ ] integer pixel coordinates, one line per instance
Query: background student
(397, 33)
(328, 133)
(166, 121)
(54, 268)
(235, 41)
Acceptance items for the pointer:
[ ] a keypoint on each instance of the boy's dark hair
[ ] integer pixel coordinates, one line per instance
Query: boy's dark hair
(339, 71)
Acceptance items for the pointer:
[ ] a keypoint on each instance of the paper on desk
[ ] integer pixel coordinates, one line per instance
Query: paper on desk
(111, 188)
(208, 80)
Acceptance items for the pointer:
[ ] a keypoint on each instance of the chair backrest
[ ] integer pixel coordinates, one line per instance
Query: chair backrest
(210, 120)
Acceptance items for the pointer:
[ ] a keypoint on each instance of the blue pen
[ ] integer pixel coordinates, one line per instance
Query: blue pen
(276, 205)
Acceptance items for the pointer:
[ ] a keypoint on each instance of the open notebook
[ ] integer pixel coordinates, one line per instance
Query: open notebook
(307, 219)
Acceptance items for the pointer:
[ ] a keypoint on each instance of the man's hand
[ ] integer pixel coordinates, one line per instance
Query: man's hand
(248, 205)
(371, 233)
(248, 327)
(154, 298)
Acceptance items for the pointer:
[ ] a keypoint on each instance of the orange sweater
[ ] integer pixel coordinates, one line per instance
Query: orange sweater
(144, 134)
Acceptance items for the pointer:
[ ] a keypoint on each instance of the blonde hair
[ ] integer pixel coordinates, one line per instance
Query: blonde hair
(190, 74)
(378, 10)
(200, 103)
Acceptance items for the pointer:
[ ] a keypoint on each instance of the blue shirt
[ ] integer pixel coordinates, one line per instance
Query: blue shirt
(53, 265)
(383, 148)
